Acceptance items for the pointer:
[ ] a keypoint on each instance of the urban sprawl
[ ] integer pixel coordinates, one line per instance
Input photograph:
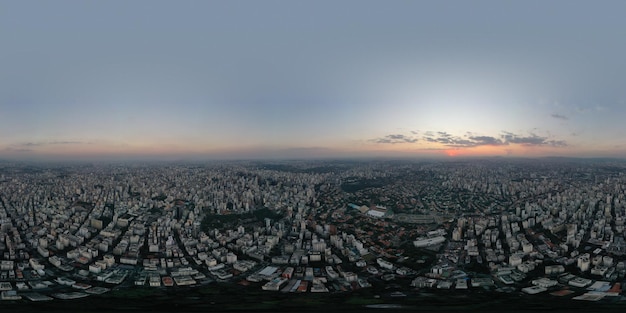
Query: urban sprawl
(530, 226)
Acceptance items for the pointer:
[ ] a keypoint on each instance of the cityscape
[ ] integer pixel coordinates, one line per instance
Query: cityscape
(305, 156)
(384, 231)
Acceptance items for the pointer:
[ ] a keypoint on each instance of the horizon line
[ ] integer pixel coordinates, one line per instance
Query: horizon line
(161, 159)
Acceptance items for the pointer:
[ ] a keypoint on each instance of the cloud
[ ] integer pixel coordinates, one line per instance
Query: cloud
(436, 140)
(532, 140)
(45, 143)
(487, 141)
(440, 137)
(559, 116)
(458, 142)
(13, 149)
(556, 143)
(507, 138)
(67, 143)
(461, 143)
(430, 139)
(394, 139)
(29, 146)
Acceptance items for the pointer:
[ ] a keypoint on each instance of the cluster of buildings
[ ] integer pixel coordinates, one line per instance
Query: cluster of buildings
(545, 230)
(516, 226)
(105, 226)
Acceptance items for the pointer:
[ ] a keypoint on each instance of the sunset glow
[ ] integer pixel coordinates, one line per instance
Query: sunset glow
(452, 152)
(108, 80)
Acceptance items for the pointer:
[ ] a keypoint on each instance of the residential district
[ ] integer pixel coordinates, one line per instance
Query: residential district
(551, 227)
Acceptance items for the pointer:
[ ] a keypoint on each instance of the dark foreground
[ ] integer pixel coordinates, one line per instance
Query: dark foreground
(228, 298)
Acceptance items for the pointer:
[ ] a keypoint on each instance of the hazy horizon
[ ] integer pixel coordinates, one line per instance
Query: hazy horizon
(192, 80)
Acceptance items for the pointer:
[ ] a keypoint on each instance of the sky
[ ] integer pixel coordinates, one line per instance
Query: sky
(311, 79)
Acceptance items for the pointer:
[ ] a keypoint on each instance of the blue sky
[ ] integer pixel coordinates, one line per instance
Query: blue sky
(311, 78)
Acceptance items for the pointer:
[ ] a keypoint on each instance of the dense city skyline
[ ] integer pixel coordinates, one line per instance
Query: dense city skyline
(195, 79)
(431, 235)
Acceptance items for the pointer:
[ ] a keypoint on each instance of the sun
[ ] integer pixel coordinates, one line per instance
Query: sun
(452, 152)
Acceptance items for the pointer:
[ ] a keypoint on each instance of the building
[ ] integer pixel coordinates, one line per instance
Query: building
(554, 269)
(384, 264)
(426, 242)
